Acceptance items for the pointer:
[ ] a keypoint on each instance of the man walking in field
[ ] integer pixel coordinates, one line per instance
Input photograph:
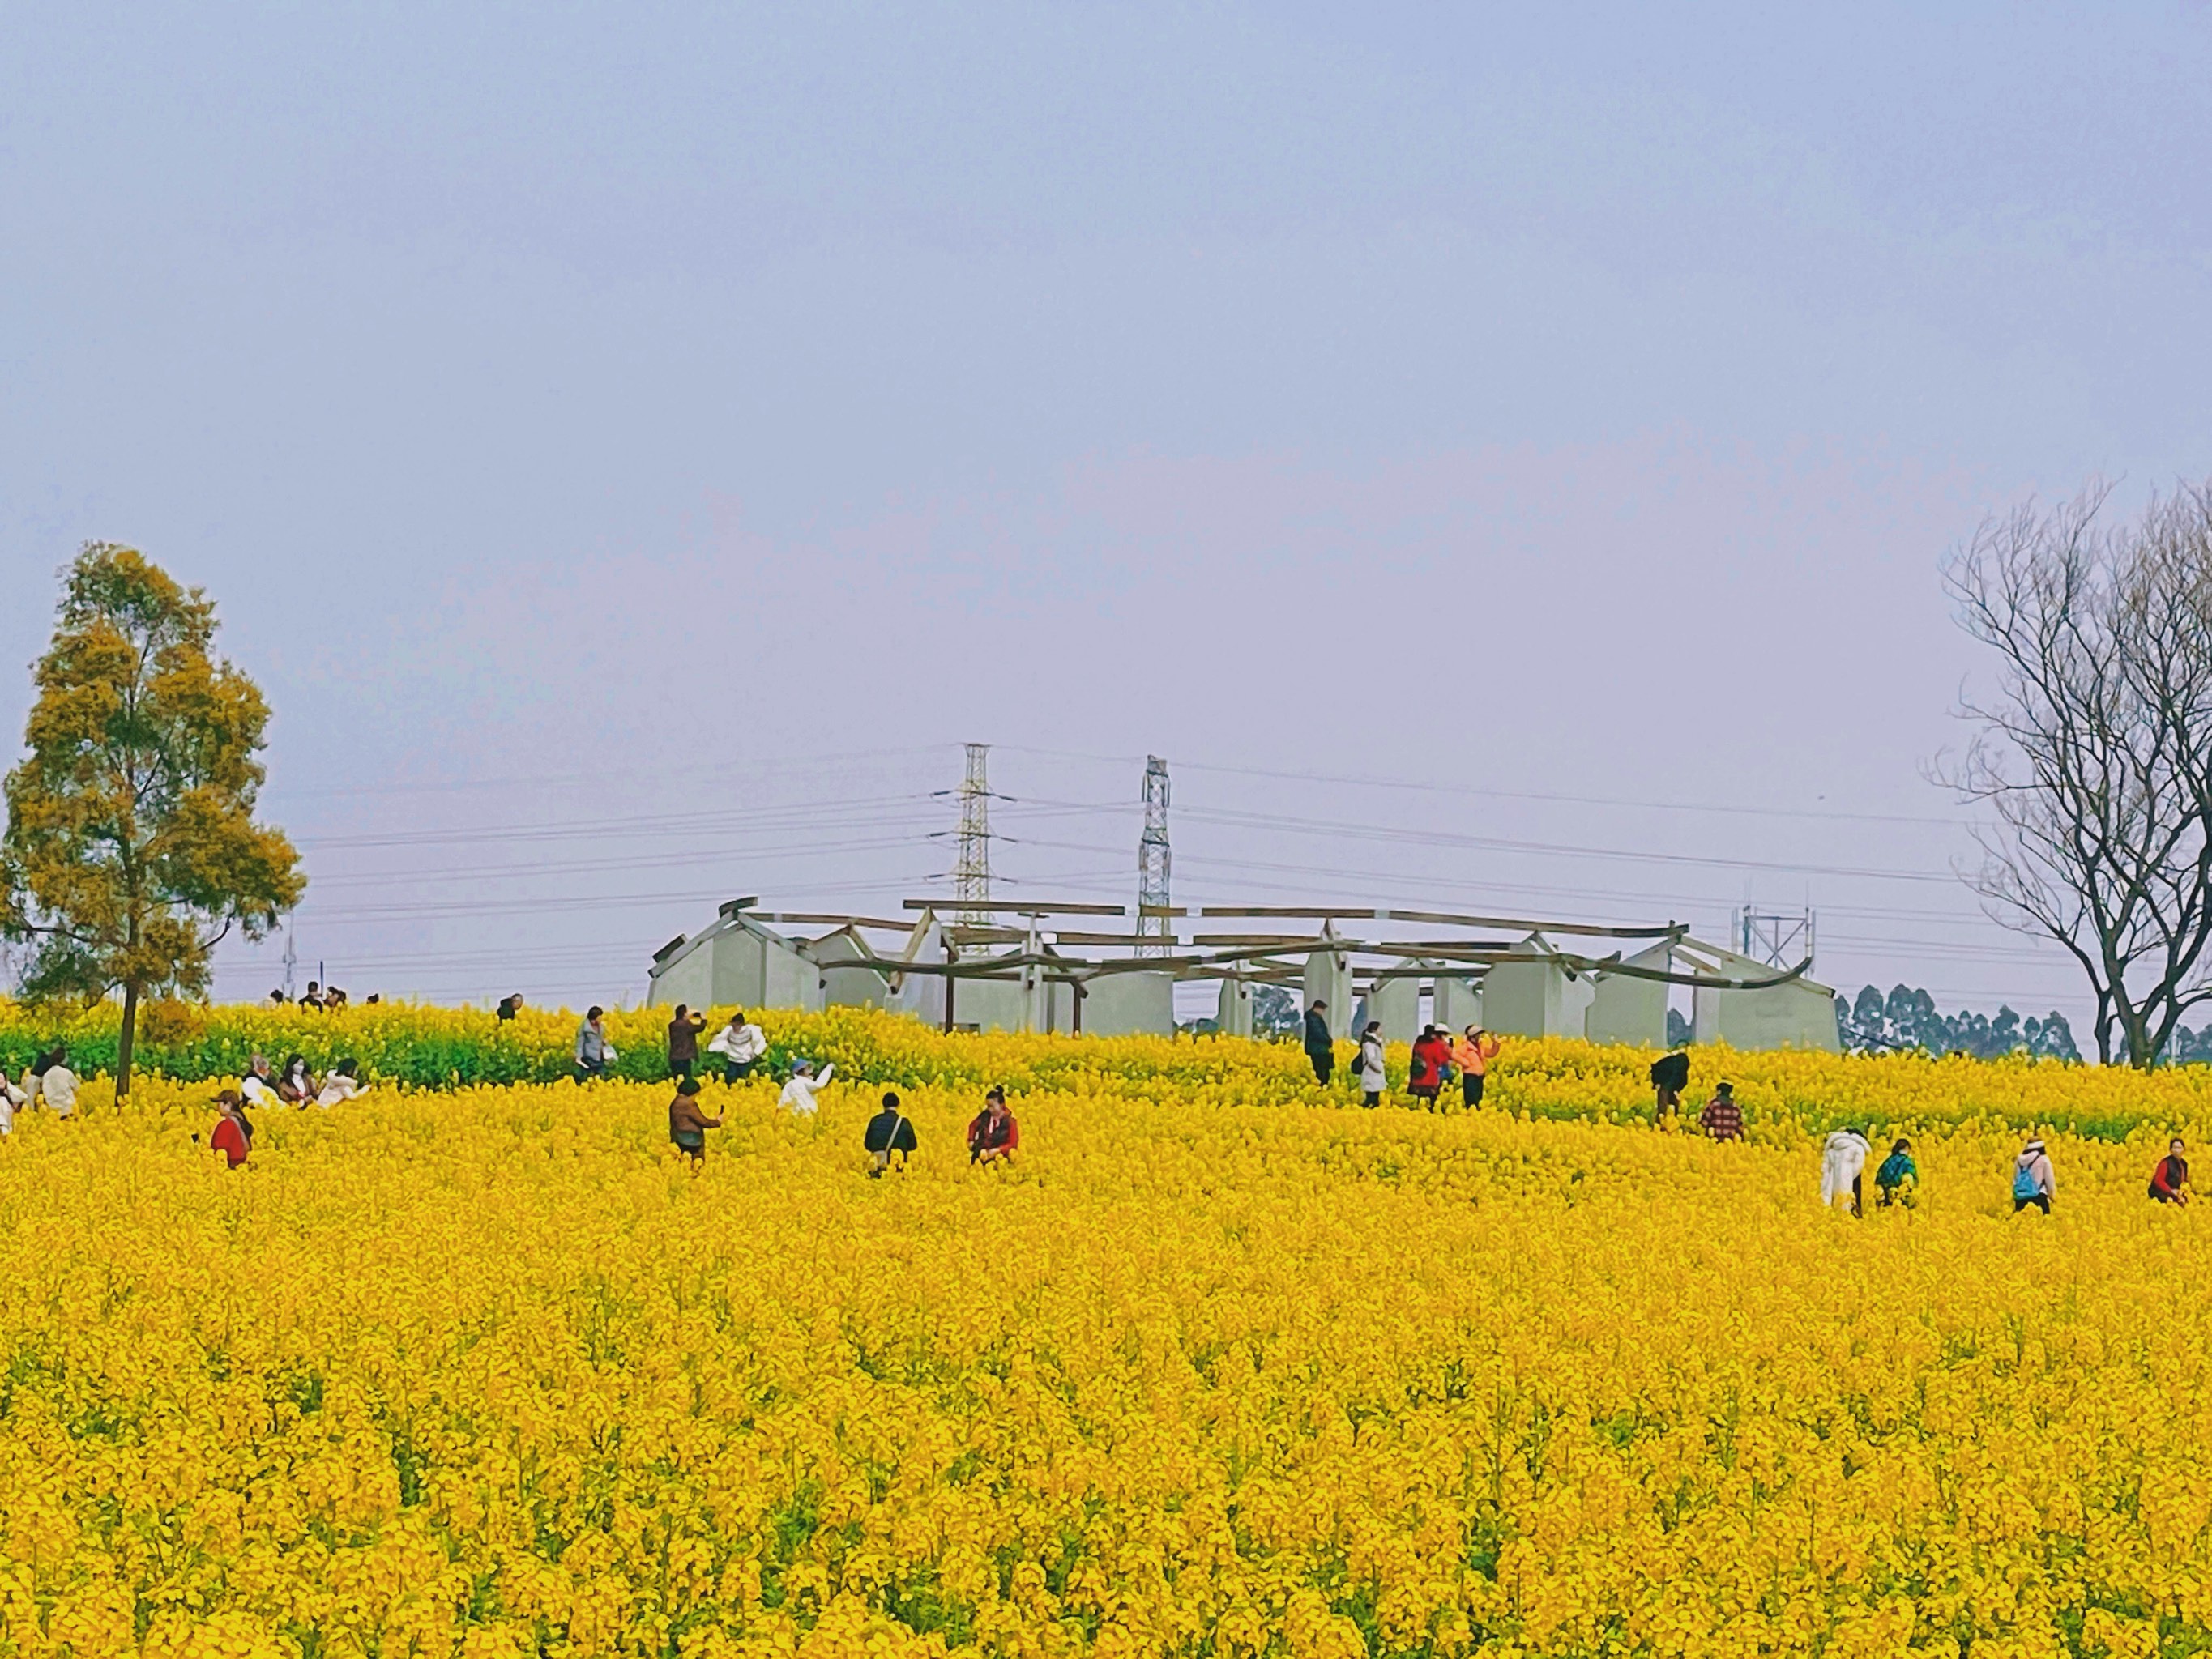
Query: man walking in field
(1321, 1048)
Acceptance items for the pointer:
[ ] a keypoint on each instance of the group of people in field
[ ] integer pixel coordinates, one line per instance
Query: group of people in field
(1437, 1058)
(740, 1048)
(261, 1085)
(48, 1083)
(321, 998)
(1845, 1153)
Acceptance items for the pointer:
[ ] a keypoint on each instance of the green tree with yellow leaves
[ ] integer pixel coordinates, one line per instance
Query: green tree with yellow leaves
(131, 847)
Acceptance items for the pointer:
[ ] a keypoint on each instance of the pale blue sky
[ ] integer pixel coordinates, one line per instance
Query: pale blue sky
(672, 399)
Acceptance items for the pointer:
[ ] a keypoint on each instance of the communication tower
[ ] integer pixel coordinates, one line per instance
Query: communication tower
(1778, 939)
(1154, 936)
(971, 877)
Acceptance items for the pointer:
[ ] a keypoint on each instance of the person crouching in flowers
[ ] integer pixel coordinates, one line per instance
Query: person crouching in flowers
(688, 1125)
(1898, 1176)
(234, 1135)
(1843, 1163)
(994, 1137)
(888, 1132)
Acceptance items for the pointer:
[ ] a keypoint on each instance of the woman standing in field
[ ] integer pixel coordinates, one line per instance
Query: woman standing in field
(2169, 1183)
(688, 1125)
(1473, 1054)
(233, 1136)
(1373, 1076)
(1425, 1075)
(740, 1043)
(2033, 1180)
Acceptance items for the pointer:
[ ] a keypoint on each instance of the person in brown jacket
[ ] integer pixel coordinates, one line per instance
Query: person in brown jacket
(688, 1125)
(684, 1041)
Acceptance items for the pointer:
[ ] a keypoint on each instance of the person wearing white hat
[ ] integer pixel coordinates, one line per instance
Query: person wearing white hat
(798, 1093)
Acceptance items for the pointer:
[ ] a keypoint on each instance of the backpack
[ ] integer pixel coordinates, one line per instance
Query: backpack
(2024, 1184)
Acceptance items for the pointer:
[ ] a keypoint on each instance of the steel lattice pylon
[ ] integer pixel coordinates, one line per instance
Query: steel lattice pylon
(971, 877)
(1154, 937)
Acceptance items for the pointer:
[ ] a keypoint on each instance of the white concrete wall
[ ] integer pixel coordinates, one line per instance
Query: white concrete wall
(788, 980)
(1799, 1015)
(1534, 999)
(1522, 998)
(739, 982)
(847, 988)
(922, 995)
(1118, 1004)
(1328, 980)
(1458, 1004)
(688, 979)
(1397, 1004)
(1233, 1008)
(1625, 1008)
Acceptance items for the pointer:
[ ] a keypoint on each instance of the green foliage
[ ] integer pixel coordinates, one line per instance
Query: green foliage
(130, 846)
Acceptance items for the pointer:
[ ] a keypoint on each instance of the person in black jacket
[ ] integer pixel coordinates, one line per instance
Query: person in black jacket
(1321, 1048)
(1670, 1075)
(889, 1132)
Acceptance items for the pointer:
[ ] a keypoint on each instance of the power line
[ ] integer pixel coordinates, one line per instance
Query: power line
(1343, 779)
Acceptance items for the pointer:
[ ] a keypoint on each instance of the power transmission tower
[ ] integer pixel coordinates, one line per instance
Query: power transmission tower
(971, 877)
(1778, 939)
(1154, 936)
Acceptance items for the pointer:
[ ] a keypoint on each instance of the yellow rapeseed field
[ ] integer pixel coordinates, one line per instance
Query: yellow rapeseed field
(489, 1371)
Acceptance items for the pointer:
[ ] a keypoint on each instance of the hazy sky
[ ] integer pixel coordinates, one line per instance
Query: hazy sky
(634, 447)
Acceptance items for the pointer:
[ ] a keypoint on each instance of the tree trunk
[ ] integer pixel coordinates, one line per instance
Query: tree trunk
(123, 1045)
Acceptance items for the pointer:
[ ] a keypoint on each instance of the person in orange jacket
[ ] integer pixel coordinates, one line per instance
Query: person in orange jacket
(1473, 1054)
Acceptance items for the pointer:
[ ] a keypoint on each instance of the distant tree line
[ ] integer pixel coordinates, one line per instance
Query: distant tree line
(1906, 1019)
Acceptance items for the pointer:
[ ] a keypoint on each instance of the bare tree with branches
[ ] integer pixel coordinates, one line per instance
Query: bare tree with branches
(2094, 753)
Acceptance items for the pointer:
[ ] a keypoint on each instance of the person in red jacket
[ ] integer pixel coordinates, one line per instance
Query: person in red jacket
(2169, 1183)
(994, 1136)
(231, 1137)
(1432, 1053)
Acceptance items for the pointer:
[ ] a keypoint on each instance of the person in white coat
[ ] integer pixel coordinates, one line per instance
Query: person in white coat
(1373, 1077)
(56, 1085)
(1843, 1162)
(798, 1095)
(741, 1044)
(341, 1082)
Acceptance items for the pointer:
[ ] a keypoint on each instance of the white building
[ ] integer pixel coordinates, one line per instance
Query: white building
(1800, 1014)
(1538, 998)
(735, 962)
